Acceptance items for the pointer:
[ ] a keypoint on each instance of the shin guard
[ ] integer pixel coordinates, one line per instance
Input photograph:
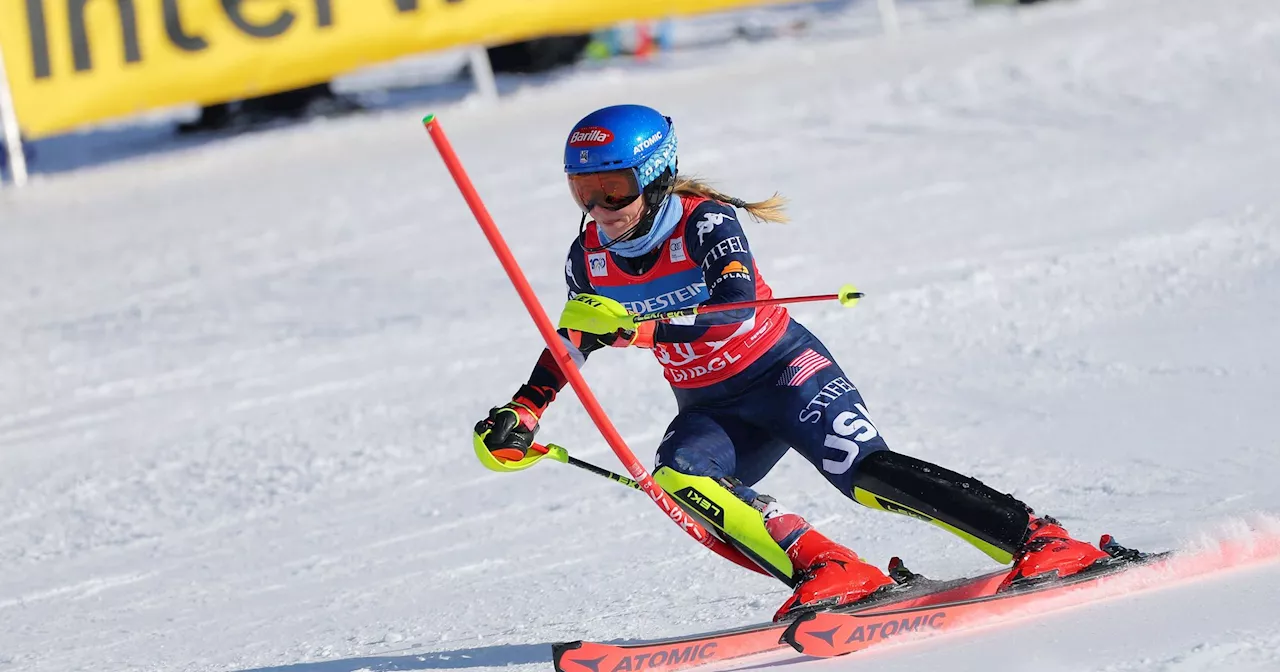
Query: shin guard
(994, 522)
(733, 520)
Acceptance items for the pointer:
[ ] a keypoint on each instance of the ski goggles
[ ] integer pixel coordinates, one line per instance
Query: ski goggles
(611, 189)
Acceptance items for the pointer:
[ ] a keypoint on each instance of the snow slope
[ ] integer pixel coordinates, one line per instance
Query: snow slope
(237, 379)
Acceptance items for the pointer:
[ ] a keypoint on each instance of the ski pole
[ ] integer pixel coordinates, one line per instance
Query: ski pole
(560, 454)
(562, 358)
(847, 296)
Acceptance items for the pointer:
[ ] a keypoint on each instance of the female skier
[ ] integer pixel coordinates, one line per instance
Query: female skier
(749, 383)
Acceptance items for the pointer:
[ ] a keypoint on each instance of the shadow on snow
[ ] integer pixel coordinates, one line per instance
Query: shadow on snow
(485, 656)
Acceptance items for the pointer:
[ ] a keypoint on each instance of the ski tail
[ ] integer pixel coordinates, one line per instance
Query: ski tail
(669, 655)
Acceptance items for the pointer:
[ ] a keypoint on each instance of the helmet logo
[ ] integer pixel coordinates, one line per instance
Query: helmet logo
(590, 136)
(646, 143)
(584, 157)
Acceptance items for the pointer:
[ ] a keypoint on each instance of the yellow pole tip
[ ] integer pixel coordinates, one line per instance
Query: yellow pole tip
(849, 296)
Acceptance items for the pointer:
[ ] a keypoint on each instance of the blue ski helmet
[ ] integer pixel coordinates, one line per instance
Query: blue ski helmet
(630, 138)
(622, 136)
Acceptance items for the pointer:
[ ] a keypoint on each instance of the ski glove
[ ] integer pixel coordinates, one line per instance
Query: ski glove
(508, 431)
(606, 320)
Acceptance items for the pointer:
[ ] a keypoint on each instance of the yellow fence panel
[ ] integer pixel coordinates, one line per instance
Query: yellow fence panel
(73, 62)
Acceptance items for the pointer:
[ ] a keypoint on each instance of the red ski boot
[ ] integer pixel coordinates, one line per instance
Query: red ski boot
(1050, 552)
(830, 575)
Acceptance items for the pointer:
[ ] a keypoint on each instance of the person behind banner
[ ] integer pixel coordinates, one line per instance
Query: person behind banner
(750, 384)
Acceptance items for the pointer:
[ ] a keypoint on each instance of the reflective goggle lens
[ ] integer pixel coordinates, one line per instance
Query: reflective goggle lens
(611, 190)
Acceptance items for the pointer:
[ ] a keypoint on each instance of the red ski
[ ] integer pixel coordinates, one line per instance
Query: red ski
(915, 605)
(668, 655)
(831, 633)
(679, 653)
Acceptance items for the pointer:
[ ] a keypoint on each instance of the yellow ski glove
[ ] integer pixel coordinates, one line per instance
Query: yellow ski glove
(604, 317)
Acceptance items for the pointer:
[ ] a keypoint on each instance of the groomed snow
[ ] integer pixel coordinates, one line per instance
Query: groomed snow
(237, 378)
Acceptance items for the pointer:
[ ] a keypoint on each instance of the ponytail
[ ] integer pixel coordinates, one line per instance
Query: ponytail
(768, 210)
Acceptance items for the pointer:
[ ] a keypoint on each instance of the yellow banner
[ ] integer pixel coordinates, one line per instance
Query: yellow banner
(73, 62)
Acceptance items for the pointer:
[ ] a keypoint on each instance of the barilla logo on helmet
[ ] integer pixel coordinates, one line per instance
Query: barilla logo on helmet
(590, 136)
(646, 143)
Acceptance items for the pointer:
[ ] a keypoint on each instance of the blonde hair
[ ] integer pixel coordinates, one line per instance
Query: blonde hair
(769, 210)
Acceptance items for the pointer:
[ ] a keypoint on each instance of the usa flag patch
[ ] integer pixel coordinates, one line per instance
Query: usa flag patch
(802, 368)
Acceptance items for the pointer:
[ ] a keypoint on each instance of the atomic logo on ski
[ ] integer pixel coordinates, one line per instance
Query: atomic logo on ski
(592, 664)
(664, 657)
(828, 636)
(887, 629)
(678, 656)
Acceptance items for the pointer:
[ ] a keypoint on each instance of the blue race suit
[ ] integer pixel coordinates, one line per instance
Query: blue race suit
(795, 396)
(749, 383)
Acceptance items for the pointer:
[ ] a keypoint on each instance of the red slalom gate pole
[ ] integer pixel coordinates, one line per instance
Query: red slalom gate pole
(562, 357)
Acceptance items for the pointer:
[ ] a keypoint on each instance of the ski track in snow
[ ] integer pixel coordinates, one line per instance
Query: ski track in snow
(237, 379)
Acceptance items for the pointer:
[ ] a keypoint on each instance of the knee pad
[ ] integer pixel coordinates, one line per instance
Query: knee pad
(994, 522)
(735, 521)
